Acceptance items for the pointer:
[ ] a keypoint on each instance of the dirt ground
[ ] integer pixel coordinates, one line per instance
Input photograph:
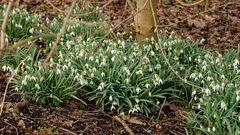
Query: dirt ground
(218, 24)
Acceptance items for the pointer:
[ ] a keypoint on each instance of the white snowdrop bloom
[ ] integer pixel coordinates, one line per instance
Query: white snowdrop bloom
(104, 62)
(199, 106)
(209, 130)
(37, 86)
(6, 68)
(72, 33)
(222, 77)
(110, 98)
(194, 93)
(138, 90)
(193, 76)
(236, 63)
(137, 100)
(31, 30)
(127, 80)
(217, 61)
(65, 67)
(158, 67)
(113, 59)
(209, 78)
(190, 58)
(204, 67)
(238, 98)
(123, 44)
(113, 107)
(147, 85)
(181, 51)
(149, 94)
(125, 58)
(200, 75)
(92, 75)
(91, 58)
(59, 71)
(207, 91)
(24, 82)
(152, 53)
(16, 89)
(33, 78)
(139, 72)
(223, 105)
(216, 87)
(103, 74)
(101, 86)
(150, 69)
(81, 54)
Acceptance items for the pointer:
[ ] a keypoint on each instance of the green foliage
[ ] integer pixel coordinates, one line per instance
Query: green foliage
(21, 24)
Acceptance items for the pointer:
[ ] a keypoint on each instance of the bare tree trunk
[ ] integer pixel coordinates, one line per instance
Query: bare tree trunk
(144, 22)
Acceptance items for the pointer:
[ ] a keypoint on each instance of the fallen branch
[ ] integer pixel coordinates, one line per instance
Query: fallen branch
(24, 42)
(60, 34)
(5, 92)
(4, 24)
(68, 131)
(124, 125)
(184, 80)
(191, 4)
(59, 10)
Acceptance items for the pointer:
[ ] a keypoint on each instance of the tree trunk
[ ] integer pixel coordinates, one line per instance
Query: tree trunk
(144, 22)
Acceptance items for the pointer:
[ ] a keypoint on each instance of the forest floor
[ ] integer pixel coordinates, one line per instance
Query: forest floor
(218, 24)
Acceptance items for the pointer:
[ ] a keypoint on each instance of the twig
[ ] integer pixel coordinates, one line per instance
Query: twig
(68, 131)
(124, 125)
(189, 17)
(5, 24)
(13, 47)
(119, 24)
(89, 13)
(131, 6)
(12, 126)
(189, 5)
(5, 92)
(86, 128)
(59, 10)
(60, 34)
(165, 57)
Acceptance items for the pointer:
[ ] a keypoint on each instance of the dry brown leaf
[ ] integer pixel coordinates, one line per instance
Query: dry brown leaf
(133, 120)
(21, 123)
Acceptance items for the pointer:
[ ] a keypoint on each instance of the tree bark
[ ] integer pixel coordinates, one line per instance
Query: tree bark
(144, 22)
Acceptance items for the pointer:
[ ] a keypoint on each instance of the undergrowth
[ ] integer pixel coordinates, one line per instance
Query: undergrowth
(125, 76)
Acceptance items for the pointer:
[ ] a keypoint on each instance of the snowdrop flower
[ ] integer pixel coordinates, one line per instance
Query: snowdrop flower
(31, 30)
(139, 72)
(103, 74)
(110, 98)
(127, 80)
(138, 90)
(238, 98)
(207, 91)
(147, 85)
(158, 67)
(101, 86)
(223, 105)
(113, 107)
(37, 86)
(24, 82)
(199, 106)
(209, 130)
